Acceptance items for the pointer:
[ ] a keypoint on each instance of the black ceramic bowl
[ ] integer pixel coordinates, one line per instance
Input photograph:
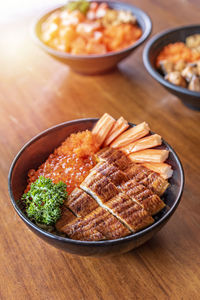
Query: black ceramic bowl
(151, 51)
(95, 64)
(38, 149)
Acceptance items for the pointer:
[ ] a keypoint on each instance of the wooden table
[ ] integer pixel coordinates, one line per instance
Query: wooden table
(37, 92)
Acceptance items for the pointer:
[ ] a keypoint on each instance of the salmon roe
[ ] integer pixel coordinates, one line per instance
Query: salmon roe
(99, 30)
(177, 51)
(70, 163)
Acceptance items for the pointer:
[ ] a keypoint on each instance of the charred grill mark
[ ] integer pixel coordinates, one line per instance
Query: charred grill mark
(118, 177)
(105, 168)
(140, 193)
(87, 235)
(148, 178)
(105, 153)
(129, 212)
(143, 194)
(100, 220)
(107, 192)
(79, 229)
(66, 217)
(134, 187)
(137, 172)
(156, 183)
(81, 203)
(123, 162)
(115, 156)
(116, 228)
(112, 172)
(99, 186)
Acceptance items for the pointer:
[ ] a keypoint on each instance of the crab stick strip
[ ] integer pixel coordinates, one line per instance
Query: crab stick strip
(131, 135)
(145, 143)
(149, 155)
(102, 128)
(163, 169)
(120, 126)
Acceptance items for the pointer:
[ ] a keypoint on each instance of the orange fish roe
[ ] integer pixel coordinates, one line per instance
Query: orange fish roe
(70, 163)
(117, 37)
(98, 31)
(82, 143)
(175, 52)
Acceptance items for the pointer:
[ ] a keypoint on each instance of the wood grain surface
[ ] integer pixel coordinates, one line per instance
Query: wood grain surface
(37, 92)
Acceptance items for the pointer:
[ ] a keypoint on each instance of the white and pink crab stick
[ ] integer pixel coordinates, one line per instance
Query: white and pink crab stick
(131, 135)
(102, 128)
(163, 169)
(149, 155)
(142, 144)
(120, 126)
(135, 142)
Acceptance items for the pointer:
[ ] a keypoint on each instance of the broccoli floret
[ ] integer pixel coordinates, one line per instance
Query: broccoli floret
(44, 199)
(81, 5)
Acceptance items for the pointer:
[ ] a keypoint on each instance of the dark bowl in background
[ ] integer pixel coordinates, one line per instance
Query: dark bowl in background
(153, 48)
(95, 64)
(37, 150)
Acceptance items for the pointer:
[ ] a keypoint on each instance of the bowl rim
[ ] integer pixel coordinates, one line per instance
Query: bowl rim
(145, 34)
(90, 243)
(152, 70)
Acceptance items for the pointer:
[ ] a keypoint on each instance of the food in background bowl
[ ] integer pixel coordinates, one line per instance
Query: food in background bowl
(91, 64)
(83, 28)
(113, 177)
(180, 63)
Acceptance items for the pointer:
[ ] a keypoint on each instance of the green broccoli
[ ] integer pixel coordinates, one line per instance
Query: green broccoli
(44, 199)
(81, 5)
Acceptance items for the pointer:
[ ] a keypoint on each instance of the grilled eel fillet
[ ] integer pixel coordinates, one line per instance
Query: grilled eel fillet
(136, 191)
(138, 172)
(99, 220)
(141, 194)
(89, 221)
(119, 213)
(68, 217)
(80, 203)
(130, 213)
